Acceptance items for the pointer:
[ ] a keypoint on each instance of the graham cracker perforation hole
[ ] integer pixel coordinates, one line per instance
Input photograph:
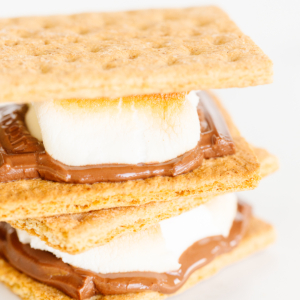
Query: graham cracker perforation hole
(109, 23)
(26, 34)
(233, 56)
(47, 42)
(38, 53)
(145, 27)
(72, 58)
(48, 25)
(196, 33)
(171, 17)
(45, 68)
(221, 40)
(11, 43)
(203, 23)
(111, 65)
(84, 31)
(195, 51)
(159, 45)
(166, 33)
(106, 38)
(134, 54)
(172, 61)
(95, 49)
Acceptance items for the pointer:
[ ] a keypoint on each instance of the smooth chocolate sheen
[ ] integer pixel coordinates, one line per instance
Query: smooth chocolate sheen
(82, 284)
(23, 157)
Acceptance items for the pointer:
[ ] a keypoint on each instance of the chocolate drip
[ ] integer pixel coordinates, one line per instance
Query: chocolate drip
(23, 157)
(82, 284)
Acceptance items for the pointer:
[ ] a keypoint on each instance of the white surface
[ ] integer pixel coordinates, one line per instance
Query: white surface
(157, 249)
(82, 132)
(268, 116)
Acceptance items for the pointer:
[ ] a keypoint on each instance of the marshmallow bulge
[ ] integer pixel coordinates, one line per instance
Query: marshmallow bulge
(129, 130)
(156, 249)
(32, 123)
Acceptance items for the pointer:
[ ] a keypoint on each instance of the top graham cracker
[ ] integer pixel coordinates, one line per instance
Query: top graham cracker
(117, 54)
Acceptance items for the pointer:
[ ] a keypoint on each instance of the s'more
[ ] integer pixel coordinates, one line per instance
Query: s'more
(118, 166)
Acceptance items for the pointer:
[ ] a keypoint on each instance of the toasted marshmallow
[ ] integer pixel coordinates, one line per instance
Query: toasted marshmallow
(156, 249)
(129, 130)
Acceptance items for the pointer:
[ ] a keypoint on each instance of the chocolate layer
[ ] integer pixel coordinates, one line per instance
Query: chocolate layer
(82, 284)
(23, 157)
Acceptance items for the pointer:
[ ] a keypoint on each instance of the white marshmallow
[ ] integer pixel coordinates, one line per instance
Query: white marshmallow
(32, 123)
(223, 208)
(141, 251)
(127, 130)
(155, 249)
(213, 218)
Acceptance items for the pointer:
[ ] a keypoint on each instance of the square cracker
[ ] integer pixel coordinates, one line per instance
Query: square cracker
(39, 198)
(118, 54)
(75, 233)
(258, 236)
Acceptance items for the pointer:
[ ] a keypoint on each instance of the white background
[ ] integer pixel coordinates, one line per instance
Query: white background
(268, 116)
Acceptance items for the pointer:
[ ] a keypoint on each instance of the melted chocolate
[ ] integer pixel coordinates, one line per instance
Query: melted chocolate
(23, 157)
(82, 284)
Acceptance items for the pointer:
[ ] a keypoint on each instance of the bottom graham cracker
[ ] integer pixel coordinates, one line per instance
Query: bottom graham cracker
(258, 236)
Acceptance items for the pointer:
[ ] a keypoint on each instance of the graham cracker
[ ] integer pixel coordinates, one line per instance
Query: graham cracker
(268, 162)
(258, 236)
(40, 198)
(117, 54)
(75, 233)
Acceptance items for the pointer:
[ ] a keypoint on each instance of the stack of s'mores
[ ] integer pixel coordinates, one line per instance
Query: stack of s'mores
(117, 166)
